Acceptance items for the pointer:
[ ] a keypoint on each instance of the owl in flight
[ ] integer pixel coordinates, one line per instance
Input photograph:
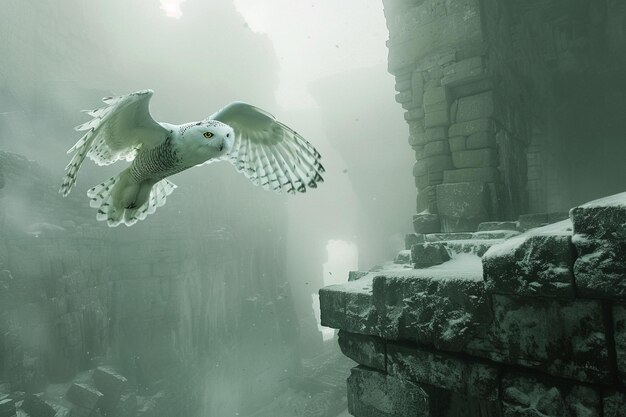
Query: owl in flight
(266, 151)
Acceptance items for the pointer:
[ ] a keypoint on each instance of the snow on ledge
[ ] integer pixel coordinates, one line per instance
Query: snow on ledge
(464, 266)
(508, 247)
(617, 200)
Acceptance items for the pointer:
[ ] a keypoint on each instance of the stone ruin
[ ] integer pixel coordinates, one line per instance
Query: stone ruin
(536, 327)
(513, 107)
(504, 302)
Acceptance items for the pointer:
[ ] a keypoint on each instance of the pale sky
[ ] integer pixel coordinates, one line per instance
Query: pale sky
(312, 38)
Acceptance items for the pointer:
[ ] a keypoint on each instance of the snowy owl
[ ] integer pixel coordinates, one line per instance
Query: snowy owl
(266, 151)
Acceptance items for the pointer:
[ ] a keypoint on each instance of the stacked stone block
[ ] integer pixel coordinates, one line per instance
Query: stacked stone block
(539, 329)
(463, 138)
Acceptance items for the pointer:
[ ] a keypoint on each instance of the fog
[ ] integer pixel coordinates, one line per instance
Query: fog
(206, 307)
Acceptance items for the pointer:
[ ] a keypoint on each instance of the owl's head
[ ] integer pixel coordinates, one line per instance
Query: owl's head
(208, 139)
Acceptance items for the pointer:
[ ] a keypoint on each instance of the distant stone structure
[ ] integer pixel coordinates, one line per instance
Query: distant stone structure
(513, 107)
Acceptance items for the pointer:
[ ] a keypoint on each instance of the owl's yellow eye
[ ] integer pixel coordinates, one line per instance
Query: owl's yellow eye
(208, 135)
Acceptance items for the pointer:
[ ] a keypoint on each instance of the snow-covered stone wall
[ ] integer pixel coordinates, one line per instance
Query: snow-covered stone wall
(536, 327)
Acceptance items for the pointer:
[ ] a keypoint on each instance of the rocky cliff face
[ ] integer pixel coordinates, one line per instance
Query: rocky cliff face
(191, 307)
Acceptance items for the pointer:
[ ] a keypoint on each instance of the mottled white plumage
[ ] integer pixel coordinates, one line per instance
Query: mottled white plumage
(266, 151)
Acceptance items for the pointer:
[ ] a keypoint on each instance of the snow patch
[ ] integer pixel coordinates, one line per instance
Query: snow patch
(463, 266)
(617, 200)
(508, 247)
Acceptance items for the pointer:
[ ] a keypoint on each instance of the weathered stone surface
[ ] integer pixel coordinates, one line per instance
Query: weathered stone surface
(442, 237)
(436, 118)
(411, 239)
(471, 127)
(530, 221)
(438, 163)
(365, 350)
(354, 275)
(417, 83)
(83, 396)
(434, 178)
(457, 143)
(361, 316)
(404, 97)
(463, 206)
(467, 236)
(416, 139)
(530, 396)
(487, 174)
(434, 134)
(403, 85)
(475, 158)
(463, 71)
(426, 202)
(461, 376)
(614, 404)
(419, 168)
(440, 147)
(600, 269)
(425, 255)
(442, 306)
(496, 234)
(426, 223)
(601, 219)
(536, 263)
(481, 140)
(429, 28)
(375, 394)
(561, 338)
(474, 107)
(619, 334)
(333, 306)
(403, 257)
(476, 247)
(111, 384)
(435, 99)
(490, 226)
(36, 407)
(414, 114)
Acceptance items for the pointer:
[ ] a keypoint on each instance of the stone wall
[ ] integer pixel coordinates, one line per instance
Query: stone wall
(498, 99)
(190, 306)
(465, 122)
(534, 328)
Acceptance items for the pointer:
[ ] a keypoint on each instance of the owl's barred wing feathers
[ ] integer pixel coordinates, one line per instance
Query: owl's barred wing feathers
(116, 132)
(268, 152)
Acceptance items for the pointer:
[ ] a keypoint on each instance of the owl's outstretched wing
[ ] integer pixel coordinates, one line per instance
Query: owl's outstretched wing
(269, 153)
(116, 132)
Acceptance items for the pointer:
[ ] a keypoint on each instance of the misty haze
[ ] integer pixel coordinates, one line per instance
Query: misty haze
(420, 212)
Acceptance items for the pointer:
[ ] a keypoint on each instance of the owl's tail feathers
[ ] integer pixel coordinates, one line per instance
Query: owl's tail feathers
(103, 198)
(156, 198)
